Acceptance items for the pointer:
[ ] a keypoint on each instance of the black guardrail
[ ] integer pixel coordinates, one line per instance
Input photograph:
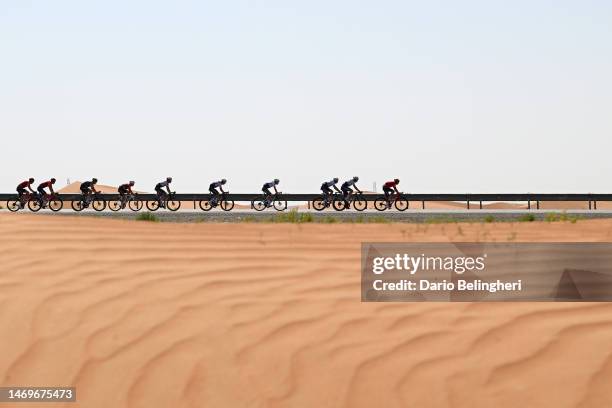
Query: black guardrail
(468, 198)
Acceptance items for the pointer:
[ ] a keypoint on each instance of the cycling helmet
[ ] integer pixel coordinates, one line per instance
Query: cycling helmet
(335, 179)
(52, 181)
(131, 183)
(223, 181)
(276, 181)
(169, 179)
(396, 181)
(94, 180)
(355, 179)
(31, 179)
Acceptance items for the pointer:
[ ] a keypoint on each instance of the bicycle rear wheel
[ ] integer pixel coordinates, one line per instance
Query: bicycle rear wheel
(380, 204)
(205, 205)
(34, 205)
(258, 205)
(318, 203)
(114, 205)
(77, 205)
(153, 205)
(13, 205)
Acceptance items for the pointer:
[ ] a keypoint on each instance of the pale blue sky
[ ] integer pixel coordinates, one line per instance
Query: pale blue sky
(449, 96)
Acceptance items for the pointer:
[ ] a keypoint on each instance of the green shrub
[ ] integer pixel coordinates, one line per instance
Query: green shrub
(527, 218)
(489, 218)
(147, 216)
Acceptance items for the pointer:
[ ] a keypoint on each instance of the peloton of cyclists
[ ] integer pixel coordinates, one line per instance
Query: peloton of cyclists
(161, 194)
(22, 190)
(347, 188)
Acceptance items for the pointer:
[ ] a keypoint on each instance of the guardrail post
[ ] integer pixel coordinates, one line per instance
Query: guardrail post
(594, 204)
(589, 204)
(481, 204)
(423, 202)
(529, 205)
(468, 204)
(538, 204)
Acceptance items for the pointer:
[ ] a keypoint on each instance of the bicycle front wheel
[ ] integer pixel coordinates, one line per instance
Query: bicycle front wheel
(56, 204)
(280, 205)
(227, 205)
(135, 205)
(173, 205)
(99, 205)
(360, 203)
(401, 204)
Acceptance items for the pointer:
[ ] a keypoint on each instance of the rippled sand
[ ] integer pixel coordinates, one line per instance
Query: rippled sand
(263, 315)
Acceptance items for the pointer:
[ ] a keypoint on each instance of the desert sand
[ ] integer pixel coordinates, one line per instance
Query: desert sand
(151, 315)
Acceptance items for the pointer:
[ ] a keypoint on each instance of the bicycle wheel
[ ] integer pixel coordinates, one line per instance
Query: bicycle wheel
(259, 205)
(77, 205)
(152, 205)
(380, 204)
(360, 203)
(205, 205)
(13, 205)
(227, 205)
(401, 204)
(318, 203)
(339, 204)
(34, 205)
(99, 204)
(280, 205)
(173, 205)
(114, 205)
(135, 205)
(56, 204)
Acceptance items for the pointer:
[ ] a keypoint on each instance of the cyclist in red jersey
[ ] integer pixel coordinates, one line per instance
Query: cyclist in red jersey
(390, 186)
(126, 188)
(23, 187)
(47, 184)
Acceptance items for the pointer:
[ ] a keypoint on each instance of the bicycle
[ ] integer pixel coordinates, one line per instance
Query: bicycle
(166, 201)
(385, 203)
(267, 201)
(357, 200)
(217, 200)
(94, 199)
(19, 203)
(126, 200)
(326, 201)
(51, 201)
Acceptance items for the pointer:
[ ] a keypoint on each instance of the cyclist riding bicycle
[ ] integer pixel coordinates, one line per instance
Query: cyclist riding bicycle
(217, 185)
(267, 186)
(389, 187)
(327, 186)
(21, 188)
(89, 187)
(125, 189)
(47, 184)
(161, 194)
(347, 187)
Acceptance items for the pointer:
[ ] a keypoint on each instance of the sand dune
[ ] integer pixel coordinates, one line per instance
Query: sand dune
(229, 315)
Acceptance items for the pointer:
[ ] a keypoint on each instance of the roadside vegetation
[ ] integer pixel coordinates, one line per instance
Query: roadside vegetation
(147, 216)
